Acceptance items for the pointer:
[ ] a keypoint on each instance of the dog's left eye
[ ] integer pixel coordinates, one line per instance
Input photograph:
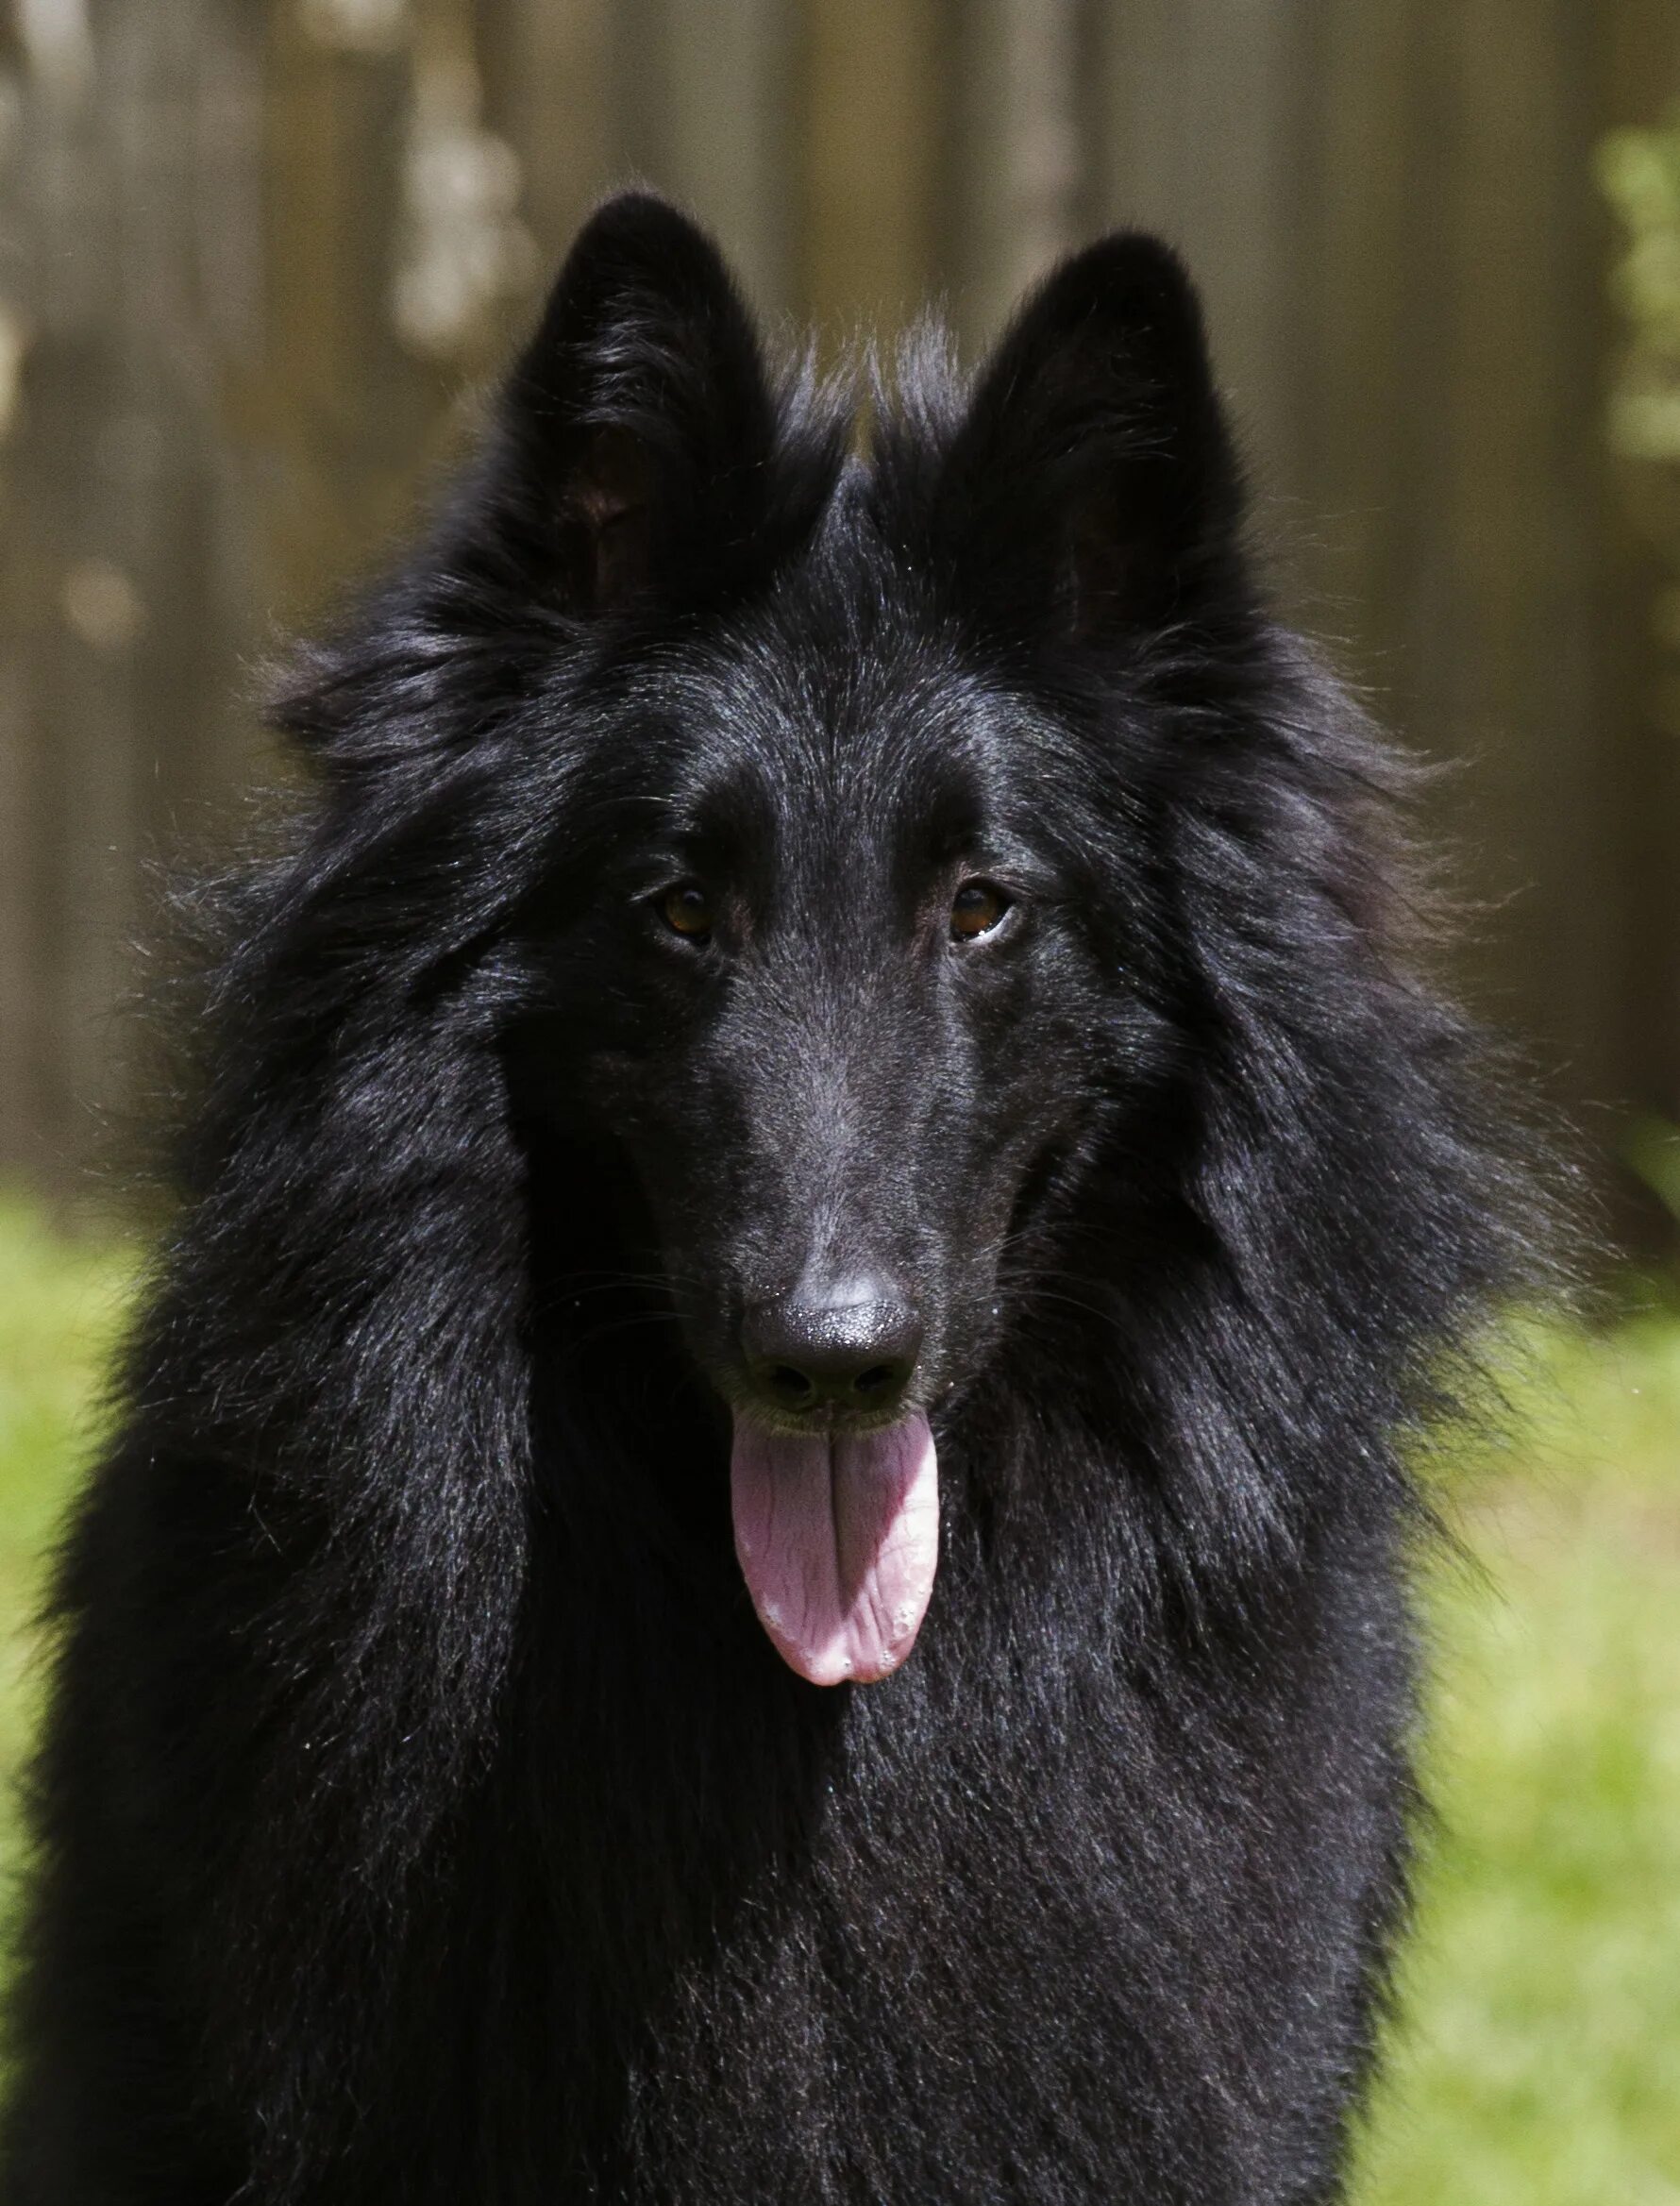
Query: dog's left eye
(686, 909)
(977, 908)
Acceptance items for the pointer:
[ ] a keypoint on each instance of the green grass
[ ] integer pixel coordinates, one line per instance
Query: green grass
(1537, 2055)
(61, 1305)
(1536, 2060)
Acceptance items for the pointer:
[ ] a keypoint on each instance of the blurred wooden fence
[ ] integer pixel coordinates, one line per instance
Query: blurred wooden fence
(250, 256)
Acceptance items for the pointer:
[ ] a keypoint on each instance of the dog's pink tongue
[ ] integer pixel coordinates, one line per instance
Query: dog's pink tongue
(839, 1540)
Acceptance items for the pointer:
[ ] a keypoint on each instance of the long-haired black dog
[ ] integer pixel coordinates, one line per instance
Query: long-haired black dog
(829, 1068)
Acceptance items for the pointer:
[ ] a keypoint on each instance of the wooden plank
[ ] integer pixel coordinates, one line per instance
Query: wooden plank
(1388, 209)
(1196, 129)
(1640, 715)
(1502, 613)
(1388, 213)
(1016, 190)
(21, 1041)
(874, 131)
(548, 91)
(121, 650)
(1366, 328)
(719, 74)
(341, 410)
(64, 204)
(690, 96)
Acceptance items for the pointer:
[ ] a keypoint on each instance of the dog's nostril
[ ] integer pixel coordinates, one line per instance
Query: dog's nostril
(875, 1380)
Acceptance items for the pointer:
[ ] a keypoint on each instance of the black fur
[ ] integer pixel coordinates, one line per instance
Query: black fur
(424, 1814)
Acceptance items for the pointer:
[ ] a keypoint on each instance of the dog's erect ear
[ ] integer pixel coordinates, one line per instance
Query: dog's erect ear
(639, 419)
(1093, 485)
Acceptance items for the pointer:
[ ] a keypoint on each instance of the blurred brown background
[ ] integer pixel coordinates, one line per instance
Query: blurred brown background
(253, 257)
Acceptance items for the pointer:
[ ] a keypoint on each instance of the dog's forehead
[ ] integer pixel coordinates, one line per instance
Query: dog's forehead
(893, 730)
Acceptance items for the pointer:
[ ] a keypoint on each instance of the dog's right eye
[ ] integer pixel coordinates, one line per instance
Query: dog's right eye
(686, 909)
(979, 908)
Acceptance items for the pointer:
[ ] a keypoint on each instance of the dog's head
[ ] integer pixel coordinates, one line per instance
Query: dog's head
(855, 941)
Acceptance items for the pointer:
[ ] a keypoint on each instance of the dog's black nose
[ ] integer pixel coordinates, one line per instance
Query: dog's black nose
(849, 1347)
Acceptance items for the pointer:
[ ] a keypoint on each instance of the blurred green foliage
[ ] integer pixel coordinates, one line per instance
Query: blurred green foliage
(1638, 172)
(1536, 2056)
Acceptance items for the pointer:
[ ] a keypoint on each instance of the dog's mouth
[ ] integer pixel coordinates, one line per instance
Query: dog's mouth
(837, 1532)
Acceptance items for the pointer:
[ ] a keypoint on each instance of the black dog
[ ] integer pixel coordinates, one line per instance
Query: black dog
(794, 965)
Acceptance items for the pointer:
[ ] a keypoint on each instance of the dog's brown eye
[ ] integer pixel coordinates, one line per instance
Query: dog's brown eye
(975, 910)
(686, 909)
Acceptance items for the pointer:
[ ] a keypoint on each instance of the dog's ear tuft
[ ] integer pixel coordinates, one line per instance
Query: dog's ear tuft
(639, 421)
(1093, 485)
